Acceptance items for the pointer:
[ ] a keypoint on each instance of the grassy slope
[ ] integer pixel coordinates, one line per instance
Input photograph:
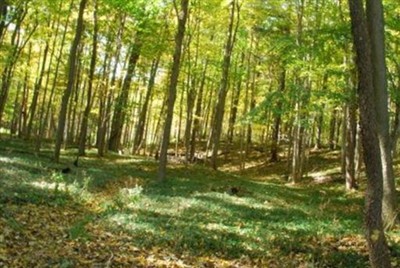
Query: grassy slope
(111, 212)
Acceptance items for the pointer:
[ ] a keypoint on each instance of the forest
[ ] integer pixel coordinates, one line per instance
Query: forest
(190, 133)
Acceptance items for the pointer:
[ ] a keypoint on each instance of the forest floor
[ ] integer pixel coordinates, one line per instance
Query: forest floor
(111, 212)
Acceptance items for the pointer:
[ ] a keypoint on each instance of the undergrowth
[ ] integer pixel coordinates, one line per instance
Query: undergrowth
(115, 207)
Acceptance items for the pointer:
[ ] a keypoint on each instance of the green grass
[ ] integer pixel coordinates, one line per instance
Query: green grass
(192, 214)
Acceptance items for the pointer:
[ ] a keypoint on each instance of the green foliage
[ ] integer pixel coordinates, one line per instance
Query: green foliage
(125, 198)
(192, 213)
(78, 229)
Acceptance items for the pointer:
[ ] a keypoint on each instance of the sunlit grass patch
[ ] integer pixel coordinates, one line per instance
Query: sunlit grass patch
(193, 216)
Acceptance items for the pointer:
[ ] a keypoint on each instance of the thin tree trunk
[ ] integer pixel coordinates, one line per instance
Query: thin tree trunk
(143, 112)
(220, 107)
(47, 115)
(3, 16)
(297, 145)
(277, 118)
(42, 122)
(106, 99)
(178, 125)
(89, 102)
(102, 118)
(350, 146)
(122, 100)
(23, 120)
(16, 112)
(71, 79)
(180, 34)
(17, 45)
(196, 123)
(36, 91)
(320, 124)
(70, 136)
(235, 99)
(332, 130)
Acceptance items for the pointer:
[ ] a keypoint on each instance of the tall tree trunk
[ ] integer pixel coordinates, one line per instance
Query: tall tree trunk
(42, 116)
(17, 45)
(89, 101)
(102, 117)
(298, 131)
(3, 16)
(320, 117)
(223, 89)
(198, 112)
(375, 22)
(192, 78)
(16, 112)
(235, 98)
(71, 79)
(277, 118)
(332, 130)
(350, 145)
(23, 120)
(378, 250)
(180, 34)
(47, 112)
(249, 130)
(143, 112)
(78, 89)
(122, 100)
(36, 91)
(107, 96)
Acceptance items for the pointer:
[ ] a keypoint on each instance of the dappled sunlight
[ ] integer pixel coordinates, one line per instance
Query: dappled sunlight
(50, 185)
(128, 222)
(194, 213)
(323, 173)
(6, 159)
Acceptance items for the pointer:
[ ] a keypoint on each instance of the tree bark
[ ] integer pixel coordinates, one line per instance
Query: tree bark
(89, 102)
(3, 16)
(107, 95)
(375, 22)
(180, 34)
(277, 118)
(197, 116)
(235, 99)
(378, 250)
(332, 128)
(36, 91)
(350, 145)
(143, 112)
(71, 79)
(122, 100)
(220, 106)
(17, 45)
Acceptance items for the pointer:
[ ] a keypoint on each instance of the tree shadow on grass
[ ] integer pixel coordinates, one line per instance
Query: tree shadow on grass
(214, 226)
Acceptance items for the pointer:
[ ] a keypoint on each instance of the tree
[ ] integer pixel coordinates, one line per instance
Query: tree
(122, 100)
(223, 88)
(378, 249)
(144, 109)
(375, 21)
(17, 43)
(89, 103)
(182, 15)
(71, 80)
(106, 95)
(277, 118)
